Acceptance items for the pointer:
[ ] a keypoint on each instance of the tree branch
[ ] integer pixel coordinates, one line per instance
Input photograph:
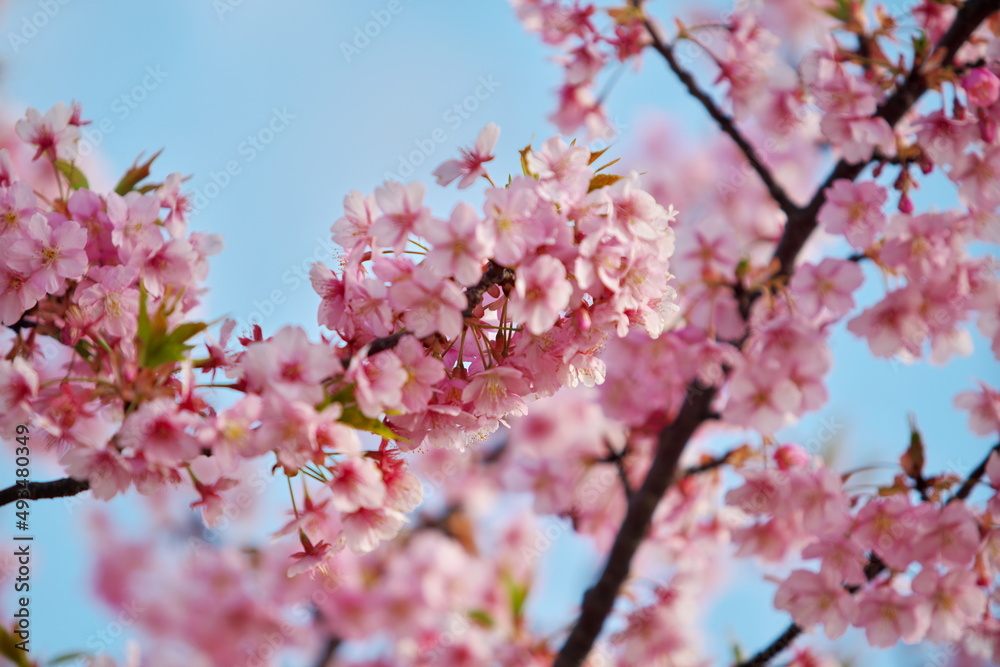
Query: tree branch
(59, 488)
(599, 600)
(801, 225)
(726, 124)
(974, 476)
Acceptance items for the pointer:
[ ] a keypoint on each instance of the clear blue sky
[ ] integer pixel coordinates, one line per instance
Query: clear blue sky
(266, 90)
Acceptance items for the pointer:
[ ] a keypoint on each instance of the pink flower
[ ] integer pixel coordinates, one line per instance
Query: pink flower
(161, 432)
(17, 204)
(52, 134)
(563, 169)
(429, 303)
(360, 211)
(459, 246)
(402, 213)
(422, 373)
(635, 212)
(854, 210)
(134, 225)
(858, 137)
(977, 176)
(113, 299)
(312, 557)
(357, 483)
(828, 286)
(843, 558)
(366, 528)
(950, 536)
(819, 495)
(497, 392)
(541, 293)
(812, 598)
(17, 294)
(378, 381)
(104, 468)
(290, 365)
(887, 527)
(176, 203)
(888, 616)
(509, 217)
(211, 502)
(18, 386)
(955, 601)
(982, 87)
(893, 324)
(50, 252)
(470, 167)
(983, 407)
(761, 398)
(403, 489)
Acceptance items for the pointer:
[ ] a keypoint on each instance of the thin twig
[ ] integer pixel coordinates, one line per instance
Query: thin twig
(59, 488)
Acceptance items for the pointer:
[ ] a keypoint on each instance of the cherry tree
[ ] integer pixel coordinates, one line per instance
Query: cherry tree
(578, 338)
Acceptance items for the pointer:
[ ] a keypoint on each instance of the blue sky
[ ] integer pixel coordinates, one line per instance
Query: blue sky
(278, 109)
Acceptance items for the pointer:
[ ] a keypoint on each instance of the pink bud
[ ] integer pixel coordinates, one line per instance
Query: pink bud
(905, 204)
(982, 87)
(791, 456)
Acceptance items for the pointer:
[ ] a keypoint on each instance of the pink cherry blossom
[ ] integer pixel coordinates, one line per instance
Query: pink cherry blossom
(430, 304)
(114, 299)
(855, 211)
(160, 432)
(470, 167)
(50, 252)
(402, 213)
(982, 87)
(761, 399)
(379, 381)
(460, 245)
(423, 372)
(889, 617)
(356, 484)
(497, 392)
(541, 293)
(52, 134)
(983, 407)
(366, 528)
(827, 287)
(954, 599)
(813, 598)
(289, 364)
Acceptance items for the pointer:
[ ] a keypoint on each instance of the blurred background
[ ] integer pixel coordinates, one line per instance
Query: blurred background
(278, 109)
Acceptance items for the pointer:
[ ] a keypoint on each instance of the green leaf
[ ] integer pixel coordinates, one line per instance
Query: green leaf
(66, 657)
(481, 617)
(136, 173)
(172, 346)
(75, 177)
(518, 595)
(158, 345)
(352, 416)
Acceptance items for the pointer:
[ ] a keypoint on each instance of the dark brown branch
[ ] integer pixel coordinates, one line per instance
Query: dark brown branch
(974, 477)
(618, 459)
(59, 488)
(800, 226)
(708, 465)
(599, 600)
(726, 124)
(329, 650)
(493, 275)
